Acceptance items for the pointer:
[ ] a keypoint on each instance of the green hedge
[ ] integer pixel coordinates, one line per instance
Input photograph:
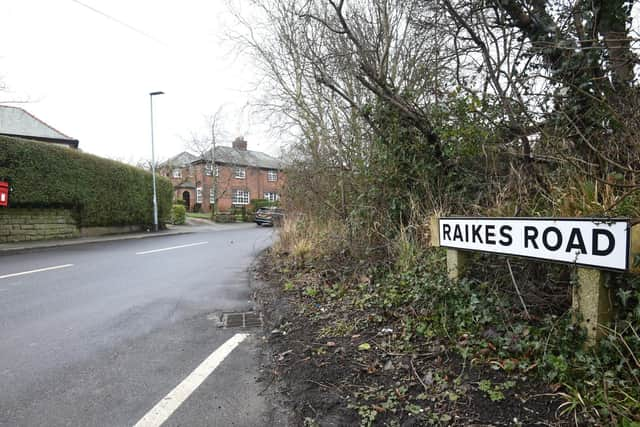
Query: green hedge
(102, 192)
(178, 214)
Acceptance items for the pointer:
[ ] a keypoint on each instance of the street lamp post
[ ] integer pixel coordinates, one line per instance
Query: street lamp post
(153, 166)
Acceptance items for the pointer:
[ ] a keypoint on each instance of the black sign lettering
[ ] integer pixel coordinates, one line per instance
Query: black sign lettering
(505, 233)
(545, 238)
(490, 234)
(589, 242)
(446, 230)
(457, 233)
(530, 235)
(596, 250)
(475, 230)
(576, 241)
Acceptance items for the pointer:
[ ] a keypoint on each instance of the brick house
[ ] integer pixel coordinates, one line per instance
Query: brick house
(178, 169)
(240, 175)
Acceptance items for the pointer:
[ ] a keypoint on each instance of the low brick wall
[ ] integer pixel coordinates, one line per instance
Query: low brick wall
(20, 225)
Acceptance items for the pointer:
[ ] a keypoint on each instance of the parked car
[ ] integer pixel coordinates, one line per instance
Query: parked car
(269, 216)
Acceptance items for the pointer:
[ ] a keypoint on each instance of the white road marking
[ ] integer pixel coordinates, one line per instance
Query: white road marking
(171, 248)
(56, 267)
(172, 401)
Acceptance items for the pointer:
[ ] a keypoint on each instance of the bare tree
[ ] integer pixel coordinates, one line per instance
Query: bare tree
(204, 145)
(517, 95)
(332, 134)
(560, 70)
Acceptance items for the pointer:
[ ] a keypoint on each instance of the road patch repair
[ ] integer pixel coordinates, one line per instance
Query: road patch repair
(172, 401)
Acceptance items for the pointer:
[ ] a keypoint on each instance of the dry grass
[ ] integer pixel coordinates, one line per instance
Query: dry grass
(308, 239)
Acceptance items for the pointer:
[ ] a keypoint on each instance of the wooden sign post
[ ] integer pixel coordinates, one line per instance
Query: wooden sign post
(595, 246)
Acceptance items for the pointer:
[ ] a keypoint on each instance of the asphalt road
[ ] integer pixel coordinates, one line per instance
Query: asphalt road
(109, 331)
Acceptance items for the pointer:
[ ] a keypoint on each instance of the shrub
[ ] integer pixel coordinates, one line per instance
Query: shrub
(178, 214)
(102, 192)
(240, 213)
(224, 217)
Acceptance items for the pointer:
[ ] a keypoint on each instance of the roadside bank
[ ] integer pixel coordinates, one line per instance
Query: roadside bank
(336, 358)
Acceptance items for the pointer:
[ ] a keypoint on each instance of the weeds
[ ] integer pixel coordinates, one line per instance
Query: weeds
(495, 391)
(417, 305)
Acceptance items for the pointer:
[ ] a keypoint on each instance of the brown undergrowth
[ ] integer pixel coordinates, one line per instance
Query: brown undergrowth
(371, 331)
(346, 356)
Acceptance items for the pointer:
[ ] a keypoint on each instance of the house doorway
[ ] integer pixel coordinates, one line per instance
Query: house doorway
(186, 199)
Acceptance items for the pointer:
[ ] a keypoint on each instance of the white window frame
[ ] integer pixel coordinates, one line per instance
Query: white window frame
(272, 175)
(212, 195)
(176, 173)
(271, 196)
(217, 170)
(208, 170)
(240, 172)
(199, 195)
(241, 197)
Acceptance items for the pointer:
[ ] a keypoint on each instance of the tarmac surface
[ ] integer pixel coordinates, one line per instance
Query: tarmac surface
(98, 332)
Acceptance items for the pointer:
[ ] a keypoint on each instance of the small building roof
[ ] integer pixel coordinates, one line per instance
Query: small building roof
(15, 121)
(180, 160)
(186, 184)
(233, 156)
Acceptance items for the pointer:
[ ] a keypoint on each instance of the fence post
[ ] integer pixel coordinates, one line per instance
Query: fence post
(434, 231)
(634, 250)
(592, 299)
(457, 263)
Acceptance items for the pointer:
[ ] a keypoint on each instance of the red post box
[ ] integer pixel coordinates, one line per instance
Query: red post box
(4, 193)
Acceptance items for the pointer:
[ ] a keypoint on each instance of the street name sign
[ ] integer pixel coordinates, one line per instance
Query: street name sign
(599, 243)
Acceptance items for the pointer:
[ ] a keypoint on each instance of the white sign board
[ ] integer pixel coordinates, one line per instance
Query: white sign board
(599, 243)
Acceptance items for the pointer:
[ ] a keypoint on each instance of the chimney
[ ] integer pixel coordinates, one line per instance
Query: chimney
(240, 144)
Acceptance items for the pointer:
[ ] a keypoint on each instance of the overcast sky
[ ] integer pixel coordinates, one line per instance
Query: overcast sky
(89, 75)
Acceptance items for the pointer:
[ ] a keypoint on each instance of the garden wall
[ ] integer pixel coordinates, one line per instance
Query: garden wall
(20, 225)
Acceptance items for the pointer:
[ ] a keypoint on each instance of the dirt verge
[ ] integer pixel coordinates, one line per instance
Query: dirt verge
(337, 365)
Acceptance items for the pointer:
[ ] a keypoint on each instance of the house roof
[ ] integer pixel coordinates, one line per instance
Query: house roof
(180, 160)
(15, 121)
(186, 184)
(233, 156)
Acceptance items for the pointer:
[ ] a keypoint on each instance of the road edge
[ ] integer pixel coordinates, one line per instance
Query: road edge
(34, 246)
(280, 411)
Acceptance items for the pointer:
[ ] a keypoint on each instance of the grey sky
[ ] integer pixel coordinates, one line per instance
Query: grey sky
(89, 75)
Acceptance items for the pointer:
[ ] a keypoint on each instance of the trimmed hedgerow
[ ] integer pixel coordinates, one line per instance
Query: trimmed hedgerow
(102, 192)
